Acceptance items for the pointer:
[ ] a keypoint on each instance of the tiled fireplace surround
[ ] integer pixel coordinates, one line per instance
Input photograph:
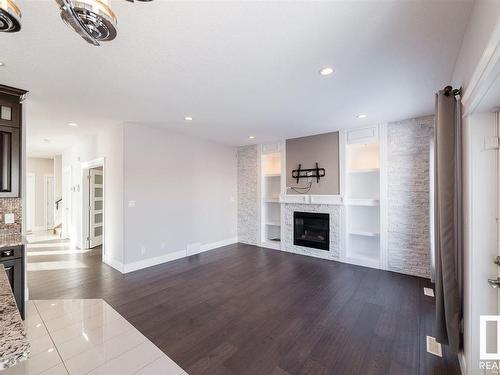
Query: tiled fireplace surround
(336, 213)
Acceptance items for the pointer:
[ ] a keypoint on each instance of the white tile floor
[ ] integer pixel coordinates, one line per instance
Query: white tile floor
(87, 336)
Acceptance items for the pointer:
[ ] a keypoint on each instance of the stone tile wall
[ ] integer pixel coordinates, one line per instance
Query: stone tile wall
(408, 195)
(248, 195)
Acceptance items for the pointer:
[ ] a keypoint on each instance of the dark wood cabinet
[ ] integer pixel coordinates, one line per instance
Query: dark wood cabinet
(10, 141)
(10, 166)
(12, 259)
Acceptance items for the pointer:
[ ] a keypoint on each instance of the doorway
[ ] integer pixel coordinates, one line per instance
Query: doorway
(96, 207)
(93, 209)
(49, 201)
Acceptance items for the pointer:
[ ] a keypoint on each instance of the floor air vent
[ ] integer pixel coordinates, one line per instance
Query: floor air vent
(429, 292)
(433, 346)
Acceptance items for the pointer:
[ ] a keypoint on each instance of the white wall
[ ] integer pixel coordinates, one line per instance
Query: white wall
(482, 24)
(40, 167)
(484, 18)
(480, 229)
(108, 145)
(184, 189)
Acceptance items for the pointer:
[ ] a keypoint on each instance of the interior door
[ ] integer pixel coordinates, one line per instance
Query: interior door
(30, 202)
(49, 201)
(96, 205)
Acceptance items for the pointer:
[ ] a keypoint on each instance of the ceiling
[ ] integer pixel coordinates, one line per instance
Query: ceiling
(238, 68)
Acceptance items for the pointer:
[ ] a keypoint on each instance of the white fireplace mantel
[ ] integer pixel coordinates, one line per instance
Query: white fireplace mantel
(311, 199)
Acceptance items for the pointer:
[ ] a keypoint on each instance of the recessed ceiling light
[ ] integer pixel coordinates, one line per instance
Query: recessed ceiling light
(2, 63)
(362, 115)
(326, 71)
(251, 137)
(188, 118)
(73, 124)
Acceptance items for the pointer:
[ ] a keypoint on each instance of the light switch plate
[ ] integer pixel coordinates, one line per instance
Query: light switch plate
(9, 219)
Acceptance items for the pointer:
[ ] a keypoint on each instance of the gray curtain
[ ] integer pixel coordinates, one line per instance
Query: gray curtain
(448, 218)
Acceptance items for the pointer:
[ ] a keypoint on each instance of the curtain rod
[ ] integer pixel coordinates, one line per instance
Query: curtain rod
(449, 90)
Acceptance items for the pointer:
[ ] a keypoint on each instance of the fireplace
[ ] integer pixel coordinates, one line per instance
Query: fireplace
(311, 229)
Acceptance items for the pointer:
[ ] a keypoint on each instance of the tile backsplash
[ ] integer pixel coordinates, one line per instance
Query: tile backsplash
(10, 206)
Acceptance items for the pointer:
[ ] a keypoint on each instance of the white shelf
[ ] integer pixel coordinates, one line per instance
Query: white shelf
(271, 200)
(363, 177)
(364, 233)
(271, 174)
(373, 170)
(362, 202)
(274, 223)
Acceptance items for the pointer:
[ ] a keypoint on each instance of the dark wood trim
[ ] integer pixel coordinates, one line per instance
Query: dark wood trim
(12, 91)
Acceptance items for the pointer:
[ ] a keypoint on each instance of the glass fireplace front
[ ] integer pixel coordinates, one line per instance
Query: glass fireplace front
(311, 229)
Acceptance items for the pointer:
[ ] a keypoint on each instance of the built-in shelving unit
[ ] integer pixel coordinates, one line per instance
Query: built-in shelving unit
(362, 197)
(271, 188)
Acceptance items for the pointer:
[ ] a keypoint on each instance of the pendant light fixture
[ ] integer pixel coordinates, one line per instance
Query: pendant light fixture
(93, 20)
(10, 16)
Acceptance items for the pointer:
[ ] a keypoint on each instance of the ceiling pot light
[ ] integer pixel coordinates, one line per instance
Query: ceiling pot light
(362, 115)
(10, 16)
(93, 20)
(326, 71)
(251, 137)
(73, 124)
(2, 63)
(188, 118)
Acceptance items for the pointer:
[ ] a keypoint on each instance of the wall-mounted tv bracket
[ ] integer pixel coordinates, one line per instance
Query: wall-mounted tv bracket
(306, 173)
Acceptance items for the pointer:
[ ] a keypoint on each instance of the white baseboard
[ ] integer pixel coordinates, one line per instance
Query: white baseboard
(113, 263)
(215, 245)
(39, 229)
(145, 263)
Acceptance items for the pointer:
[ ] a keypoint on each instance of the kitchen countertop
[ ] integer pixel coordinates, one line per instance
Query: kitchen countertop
(12, 239)
(14, 346)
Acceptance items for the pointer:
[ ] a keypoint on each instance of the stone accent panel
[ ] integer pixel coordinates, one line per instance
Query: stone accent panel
(408, 196)
(336, 221)
(248, 195)
(11, 206)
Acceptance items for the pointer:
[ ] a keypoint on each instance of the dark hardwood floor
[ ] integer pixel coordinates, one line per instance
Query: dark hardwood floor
(242, 309)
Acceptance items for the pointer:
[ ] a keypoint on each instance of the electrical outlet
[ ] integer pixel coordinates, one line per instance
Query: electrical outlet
(163, 245)
(9, 219)
(143, 250)
(131, 203)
